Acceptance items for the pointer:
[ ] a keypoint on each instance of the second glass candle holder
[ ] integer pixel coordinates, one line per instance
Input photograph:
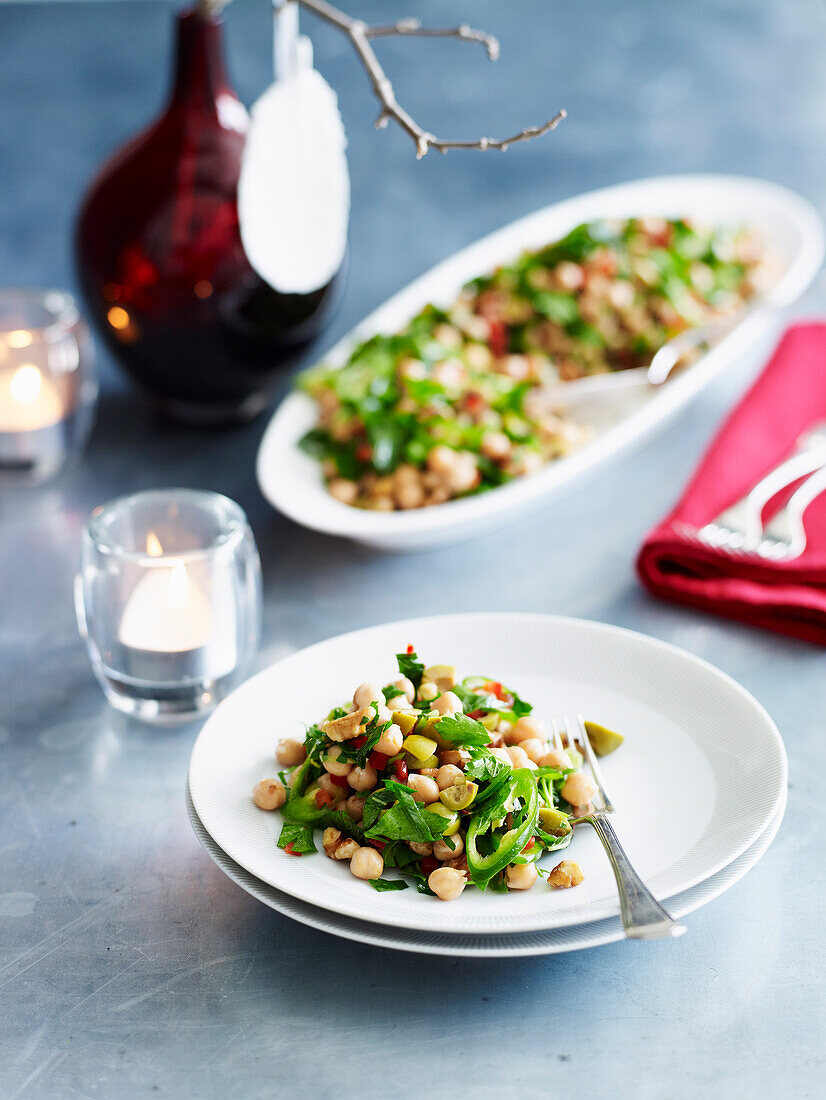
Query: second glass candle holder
(168, 599)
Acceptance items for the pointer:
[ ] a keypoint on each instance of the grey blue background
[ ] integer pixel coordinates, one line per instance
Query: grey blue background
(129, 966)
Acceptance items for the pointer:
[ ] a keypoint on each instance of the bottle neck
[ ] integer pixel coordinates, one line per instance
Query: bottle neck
(200, 76)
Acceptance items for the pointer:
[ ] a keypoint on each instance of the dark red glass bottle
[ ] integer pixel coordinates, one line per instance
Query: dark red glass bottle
(160, 258)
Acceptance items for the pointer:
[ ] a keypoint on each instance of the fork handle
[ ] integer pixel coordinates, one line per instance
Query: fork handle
(643, 918)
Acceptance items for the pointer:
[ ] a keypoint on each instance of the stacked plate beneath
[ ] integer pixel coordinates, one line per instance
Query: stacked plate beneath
(700, 781)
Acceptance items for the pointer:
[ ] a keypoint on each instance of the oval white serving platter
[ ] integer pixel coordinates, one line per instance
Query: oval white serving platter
(552, 941)
(700, 776)
(292, 481)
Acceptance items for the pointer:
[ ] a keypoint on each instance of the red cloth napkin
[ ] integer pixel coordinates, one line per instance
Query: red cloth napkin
(790, 597)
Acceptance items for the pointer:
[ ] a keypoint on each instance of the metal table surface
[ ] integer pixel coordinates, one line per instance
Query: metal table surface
(130, 965)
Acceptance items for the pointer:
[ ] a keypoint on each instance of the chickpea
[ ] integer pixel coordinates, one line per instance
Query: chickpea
(424, 788)
(554, 758)
(460, 758)
(534, 748)
(333, 765)
(269, 794)
(367, 693)
(441, 459)
(344, 490)
(362, 779)
(447, 883)
(519, 758)
(578, 789)
(496, 446)
(355, 807)
(447, 775)
(430, 772)
(465, 473)
(325, 783)
(366, 863)
(405, 687)
(521, 876)
(442, 849)
(398, 702)
(501, 754)
(289, 752)
(419, 848)
(448, 703)
(390, 741)
(526, 729)
(570, 275)
(427, 691)
(409, 494)
(516, 367)
(565, 874)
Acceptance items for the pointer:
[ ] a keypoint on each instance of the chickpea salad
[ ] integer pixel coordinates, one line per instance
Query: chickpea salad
(461, 401)
(448, 783)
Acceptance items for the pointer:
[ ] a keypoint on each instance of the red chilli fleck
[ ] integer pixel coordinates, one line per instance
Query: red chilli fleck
(378, 760)
(340, 781)
(411, 648)
(357, 742)
(322, 799)
(401, 771)
(290, 851)
(476, 714)
(379, 845)
(498, 338)
(428, 865)
(364, 452)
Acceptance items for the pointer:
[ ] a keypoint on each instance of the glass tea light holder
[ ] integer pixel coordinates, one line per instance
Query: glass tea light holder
(48, 386)
(168, 599)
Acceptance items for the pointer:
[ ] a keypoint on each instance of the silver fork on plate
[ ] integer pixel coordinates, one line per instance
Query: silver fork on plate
(739, 528)
(643, 918)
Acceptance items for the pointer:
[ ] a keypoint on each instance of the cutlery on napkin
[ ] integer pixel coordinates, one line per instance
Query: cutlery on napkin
(788, 596)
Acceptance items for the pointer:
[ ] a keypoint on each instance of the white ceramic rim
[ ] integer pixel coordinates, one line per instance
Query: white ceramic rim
(292, 481)
(551, 942)
(716, 847)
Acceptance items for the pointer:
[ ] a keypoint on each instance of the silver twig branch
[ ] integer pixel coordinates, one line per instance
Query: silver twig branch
(360, 34)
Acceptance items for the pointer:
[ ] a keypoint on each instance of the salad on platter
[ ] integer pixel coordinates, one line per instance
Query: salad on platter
(448, 783)
(462, 399)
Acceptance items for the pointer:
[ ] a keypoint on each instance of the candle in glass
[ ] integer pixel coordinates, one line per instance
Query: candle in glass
(168, 599)
(47, 383)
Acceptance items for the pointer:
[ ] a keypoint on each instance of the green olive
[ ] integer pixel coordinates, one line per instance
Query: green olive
(405, 720)
(460, 795)
(603, 741)
(554, 822)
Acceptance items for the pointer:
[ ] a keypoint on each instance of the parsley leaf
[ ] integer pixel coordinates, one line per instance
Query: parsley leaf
(406, 820)
(299, 837)
(458, 729)
(485, 766)
(381, 884)
(411, 667)
(380, 799)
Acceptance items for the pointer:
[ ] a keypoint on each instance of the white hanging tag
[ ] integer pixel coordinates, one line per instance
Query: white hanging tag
(294, 188)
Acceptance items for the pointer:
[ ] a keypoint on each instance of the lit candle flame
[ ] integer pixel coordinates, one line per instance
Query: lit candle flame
(153, 545)
(26, 384)
(19, 338)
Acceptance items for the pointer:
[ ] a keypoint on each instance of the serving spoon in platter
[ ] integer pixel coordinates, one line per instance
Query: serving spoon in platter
(664, 362)
(643, 918)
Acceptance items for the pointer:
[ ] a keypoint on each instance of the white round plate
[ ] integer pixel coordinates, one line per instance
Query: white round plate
(292, 481)
(701, 774)
(552, 942)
